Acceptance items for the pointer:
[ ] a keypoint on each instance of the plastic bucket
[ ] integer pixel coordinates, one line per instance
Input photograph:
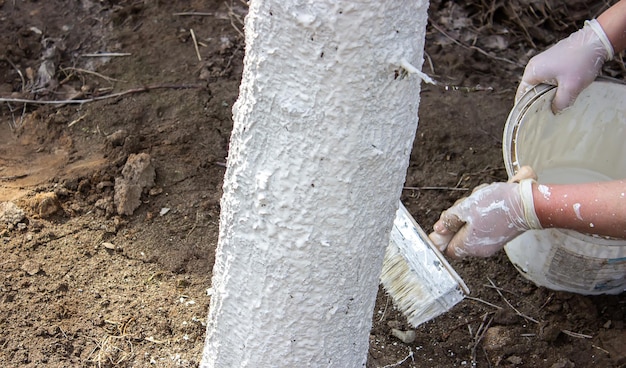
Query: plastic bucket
(584, 143)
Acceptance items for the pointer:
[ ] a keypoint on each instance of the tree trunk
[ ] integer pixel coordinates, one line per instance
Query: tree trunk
(323, 130)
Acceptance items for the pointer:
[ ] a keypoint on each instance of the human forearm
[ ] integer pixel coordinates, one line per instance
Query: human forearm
(613, 22)
(598, 208)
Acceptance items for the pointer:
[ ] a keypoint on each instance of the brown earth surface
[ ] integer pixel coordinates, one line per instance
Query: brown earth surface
(85, 283)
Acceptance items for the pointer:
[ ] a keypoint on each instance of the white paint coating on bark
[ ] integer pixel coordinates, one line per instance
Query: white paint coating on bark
(323, 130)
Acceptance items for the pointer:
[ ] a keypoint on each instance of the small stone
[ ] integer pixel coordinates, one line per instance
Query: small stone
(549, 333)
(563, 363)
(10, 213)
(117, 138)
(497, 337)
(137, 175)
(108, 245)
(31, 267)
(514, 359)
(394, 324)
(46, 204)
(155, 191)
(61, 192)
(103, 203)
(406, 337)
(104, 184)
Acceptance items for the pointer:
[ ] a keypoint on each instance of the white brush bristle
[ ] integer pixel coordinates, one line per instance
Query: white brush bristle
(410, 293)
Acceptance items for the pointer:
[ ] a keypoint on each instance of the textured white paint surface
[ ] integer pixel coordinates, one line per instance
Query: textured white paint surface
(323, 130)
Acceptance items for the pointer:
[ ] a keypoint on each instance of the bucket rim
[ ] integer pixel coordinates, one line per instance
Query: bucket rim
(509, 147)
(519, 109)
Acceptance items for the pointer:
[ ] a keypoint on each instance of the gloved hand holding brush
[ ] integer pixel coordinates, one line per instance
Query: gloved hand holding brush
(494, 214)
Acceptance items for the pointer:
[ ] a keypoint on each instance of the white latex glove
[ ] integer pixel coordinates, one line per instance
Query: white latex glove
(572, 64)
(481, 224)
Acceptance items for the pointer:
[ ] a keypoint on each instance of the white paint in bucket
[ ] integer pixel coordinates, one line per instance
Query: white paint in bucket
(582, 144)
(570, 175)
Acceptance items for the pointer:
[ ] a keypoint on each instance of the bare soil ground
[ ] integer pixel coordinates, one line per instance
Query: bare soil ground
(85, 283)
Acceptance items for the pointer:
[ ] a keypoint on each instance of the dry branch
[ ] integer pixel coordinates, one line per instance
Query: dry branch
(511, 305)
(200, 14)
(105, 97)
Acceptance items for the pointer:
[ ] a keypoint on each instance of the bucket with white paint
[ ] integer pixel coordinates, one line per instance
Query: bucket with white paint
(585, 143)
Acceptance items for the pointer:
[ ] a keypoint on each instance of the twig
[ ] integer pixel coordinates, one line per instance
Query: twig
(518, 20)
(107, 54)
(486, 357)
(194, 225)
(80, 118)
(435, 188)
(435, 26)
(599, 348)
(511, 305)
(98, 98)
(233, 17)
(449, 331)
(448, 87)
(13, 124)
(547, 301)
(486, 170)
(201, 14)
(480, 333)
(402, 361)
(483, 301)
(430, 63)
(476, 88)
(90, 72)
(195, 44)
(576, 334)
(384, 310)
(155, 341)
(499, 288)
(156, 274)
(19, 72)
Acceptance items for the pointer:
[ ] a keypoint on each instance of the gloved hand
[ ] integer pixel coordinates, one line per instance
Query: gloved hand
(572, 64)
(494, 214)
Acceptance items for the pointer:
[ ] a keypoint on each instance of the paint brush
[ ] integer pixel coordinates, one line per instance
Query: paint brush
(415, 274)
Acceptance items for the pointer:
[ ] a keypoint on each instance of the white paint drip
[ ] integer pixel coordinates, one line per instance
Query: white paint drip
(305, 19)
(404, 63)
(544, 190)
(576, 207)
(262, 178)
(496, 205)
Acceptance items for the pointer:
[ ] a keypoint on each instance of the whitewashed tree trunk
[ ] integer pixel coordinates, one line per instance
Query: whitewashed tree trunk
(323, 130)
